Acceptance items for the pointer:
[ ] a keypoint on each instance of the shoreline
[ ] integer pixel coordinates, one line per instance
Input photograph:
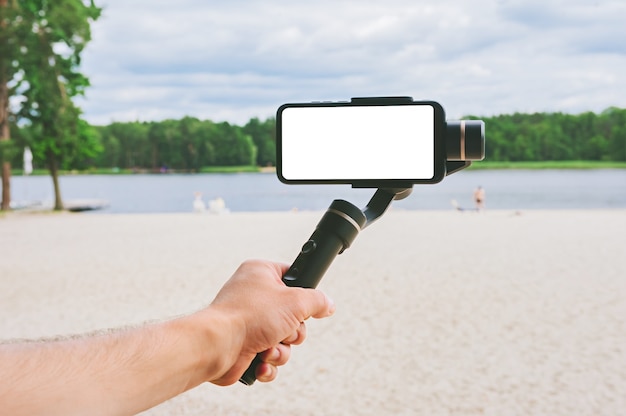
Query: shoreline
(480, 165)
(465, 211)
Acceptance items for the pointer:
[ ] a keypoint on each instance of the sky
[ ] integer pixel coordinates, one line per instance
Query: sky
(232, 60)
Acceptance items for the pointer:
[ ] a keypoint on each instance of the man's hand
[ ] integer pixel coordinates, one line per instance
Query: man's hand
(127, 371)
(269, 317)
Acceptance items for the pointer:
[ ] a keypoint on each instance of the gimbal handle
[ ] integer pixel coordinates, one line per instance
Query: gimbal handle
(333, 235)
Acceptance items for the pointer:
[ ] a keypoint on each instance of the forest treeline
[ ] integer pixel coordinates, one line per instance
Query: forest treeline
(190, 144)
(557, 136)
(187, 144)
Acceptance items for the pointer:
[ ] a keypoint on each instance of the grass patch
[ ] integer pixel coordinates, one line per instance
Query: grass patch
(486, 164)
(555, 164)
(229, 169)
(117, 171)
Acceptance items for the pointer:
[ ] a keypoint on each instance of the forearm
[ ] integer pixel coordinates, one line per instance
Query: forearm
(118, 373)
(128, 371)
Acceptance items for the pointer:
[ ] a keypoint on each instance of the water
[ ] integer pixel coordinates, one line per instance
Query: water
(506, 189)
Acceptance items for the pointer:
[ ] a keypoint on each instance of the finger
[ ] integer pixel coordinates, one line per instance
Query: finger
(297, 337)
(277, 356)
(280, 269)
(266, 372)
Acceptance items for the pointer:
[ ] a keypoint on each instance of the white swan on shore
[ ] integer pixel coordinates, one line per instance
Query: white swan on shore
(218, 206)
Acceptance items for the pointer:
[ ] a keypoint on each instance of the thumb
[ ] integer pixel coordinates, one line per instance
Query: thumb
(319, 305)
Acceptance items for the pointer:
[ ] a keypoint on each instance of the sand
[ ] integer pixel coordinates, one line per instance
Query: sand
(438, 313)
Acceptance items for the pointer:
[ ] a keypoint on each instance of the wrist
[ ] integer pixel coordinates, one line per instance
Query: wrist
(218, 340)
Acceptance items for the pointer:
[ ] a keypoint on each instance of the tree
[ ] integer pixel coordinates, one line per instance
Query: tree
(233, 147)
(50, 59)
(264, 136)
(125, 145)
(164, 137)
(9, 49)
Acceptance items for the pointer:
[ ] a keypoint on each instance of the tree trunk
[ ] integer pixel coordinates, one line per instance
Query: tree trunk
(54, 172)
(6, 186)
(5, 135)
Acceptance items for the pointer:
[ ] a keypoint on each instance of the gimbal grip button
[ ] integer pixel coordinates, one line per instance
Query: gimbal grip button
(292, 275)
(309, 247)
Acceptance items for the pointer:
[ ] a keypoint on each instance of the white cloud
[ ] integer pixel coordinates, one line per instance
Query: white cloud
(239, 59)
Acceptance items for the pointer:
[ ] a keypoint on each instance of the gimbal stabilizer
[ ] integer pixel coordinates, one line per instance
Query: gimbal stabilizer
(333, 235)
(457, 143)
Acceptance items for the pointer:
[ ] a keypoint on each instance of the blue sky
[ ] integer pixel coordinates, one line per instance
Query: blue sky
(233, 60)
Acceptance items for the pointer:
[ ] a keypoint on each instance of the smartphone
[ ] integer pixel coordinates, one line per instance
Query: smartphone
(365, 142)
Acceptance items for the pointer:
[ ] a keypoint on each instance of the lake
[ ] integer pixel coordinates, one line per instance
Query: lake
(245, 192)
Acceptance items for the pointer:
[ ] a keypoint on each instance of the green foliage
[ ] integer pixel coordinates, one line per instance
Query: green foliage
(48, 39)
(8, 150)
(557, 136)
(194, 145)
(263, 135)
(10, 31)
(229, 169)
(188, 144)
(559, 164)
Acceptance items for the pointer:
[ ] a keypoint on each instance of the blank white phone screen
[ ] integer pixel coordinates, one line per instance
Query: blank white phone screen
(358, 142)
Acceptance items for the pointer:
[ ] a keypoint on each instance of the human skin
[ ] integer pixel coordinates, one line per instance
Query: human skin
(127, 371)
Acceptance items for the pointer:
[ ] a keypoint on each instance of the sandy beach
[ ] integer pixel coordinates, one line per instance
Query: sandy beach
(438, 313)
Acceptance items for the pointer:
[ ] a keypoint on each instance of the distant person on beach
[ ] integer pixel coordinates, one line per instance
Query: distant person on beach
(198, 203)
(479, 198)
(129, 370)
